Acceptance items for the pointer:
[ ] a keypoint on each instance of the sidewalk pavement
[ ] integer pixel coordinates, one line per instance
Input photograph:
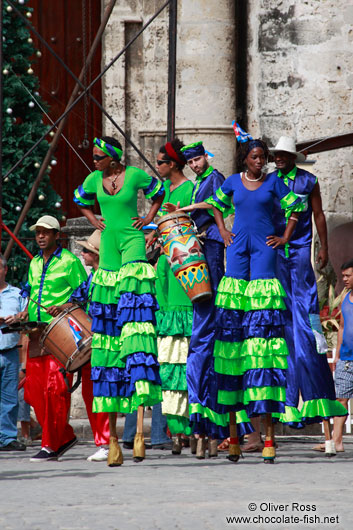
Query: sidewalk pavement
(178, 492)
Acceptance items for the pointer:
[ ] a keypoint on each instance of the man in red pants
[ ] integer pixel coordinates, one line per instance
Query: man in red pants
(54, 273)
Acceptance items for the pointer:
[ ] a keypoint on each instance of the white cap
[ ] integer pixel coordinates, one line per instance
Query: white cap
(287, 144)
(47, 221)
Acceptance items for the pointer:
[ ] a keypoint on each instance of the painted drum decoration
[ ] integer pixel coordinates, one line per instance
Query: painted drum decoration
(185, 256)
(68, 338)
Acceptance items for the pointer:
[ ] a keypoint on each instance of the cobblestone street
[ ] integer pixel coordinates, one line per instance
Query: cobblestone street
(178, 492)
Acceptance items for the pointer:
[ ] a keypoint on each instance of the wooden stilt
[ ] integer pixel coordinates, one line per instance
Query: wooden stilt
(139, 440)
(115, 455)
(330, 449)
(269, 451)
(234, 447)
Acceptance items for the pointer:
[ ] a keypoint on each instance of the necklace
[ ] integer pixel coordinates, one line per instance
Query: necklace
(113, 180)
(253, 180)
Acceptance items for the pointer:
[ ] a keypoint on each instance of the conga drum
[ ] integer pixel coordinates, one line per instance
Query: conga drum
(185, 256)
(68, 338)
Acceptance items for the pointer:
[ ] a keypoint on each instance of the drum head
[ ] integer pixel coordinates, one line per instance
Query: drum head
(176, 217)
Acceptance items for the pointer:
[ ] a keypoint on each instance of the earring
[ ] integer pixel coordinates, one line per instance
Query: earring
(113, 164)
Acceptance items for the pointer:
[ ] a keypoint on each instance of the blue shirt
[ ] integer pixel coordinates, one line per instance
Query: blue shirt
(302, 183)
(346, 351)
(11, 303)
(206, 185)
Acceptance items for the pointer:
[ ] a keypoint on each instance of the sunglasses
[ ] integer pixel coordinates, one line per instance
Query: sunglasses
(160, 162)
(86, 251)
(98, 158)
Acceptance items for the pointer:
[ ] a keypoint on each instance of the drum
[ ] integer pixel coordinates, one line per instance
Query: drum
(185, 256)
(68, 338)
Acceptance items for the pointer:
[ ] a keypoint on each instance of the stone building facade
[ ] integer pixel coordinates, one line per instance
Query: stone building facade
(289, 72)
(278, 66)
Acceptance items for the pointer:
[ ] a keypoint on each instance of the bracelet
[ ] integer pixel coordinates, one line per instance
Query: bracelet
(293, 219)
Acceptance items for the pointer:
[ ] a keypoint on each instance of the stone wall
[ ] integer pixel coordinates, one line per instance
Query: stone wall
(300, 84)
(135, 89)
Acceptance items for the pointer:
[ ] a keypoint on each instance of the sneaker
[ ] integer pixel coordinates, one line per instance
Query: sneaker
(15, 445)
(99, 456)
(44, 456)
(65, 447)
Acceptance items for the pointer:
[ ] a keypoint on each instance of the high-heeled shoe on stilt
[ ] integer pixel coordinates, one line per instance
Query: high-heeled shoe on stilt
(269, 452)
(138, 452)
(201, 448)
(115, 455)
(212, 448)
(330, 448)
(177, 445)
(193, 444)
(234, 450)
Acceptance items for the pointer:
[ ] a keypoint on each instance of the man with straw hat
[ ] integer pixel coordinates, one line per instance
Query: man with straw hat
(54, 273)
(308, 370)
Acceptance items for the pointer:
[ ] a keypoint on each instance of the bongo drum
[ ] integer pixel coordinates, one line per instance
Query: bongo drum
(68, 338)
(185, 256)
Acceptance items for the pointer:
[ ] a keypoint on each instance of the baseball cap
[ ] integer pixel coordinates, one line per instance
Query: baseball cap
(47, 221)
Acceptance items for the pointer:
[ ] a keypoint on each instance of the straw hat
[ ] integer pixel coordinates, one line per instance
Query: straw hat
(287, 144)
(92, 243)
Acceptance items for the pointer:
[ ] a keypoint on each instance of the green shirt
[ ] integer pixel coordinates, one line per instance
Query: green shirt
(52, 283)
(180, 194)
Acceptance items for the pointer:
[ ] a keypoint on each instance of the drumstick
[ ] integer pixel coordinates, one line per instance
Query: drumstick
(38, 304)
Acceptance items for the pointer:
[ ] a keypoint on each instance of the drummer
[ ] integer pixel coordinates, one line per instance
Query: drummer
(99, 421)
(204, 409)
(54, 273)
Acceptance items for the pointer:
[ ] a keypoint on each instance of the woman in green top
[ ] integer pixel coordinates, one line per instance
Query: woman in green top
(125, 371)
(174, 318)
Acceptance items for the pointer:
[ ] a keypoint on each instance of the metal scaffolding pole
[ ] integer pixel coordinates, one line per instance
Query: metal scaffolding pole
(59, 130)
(88, 88)
(172, 69)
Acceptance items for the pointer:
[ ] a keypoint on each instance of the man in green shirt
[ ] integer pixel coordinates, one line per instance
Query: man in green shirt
(53, 275)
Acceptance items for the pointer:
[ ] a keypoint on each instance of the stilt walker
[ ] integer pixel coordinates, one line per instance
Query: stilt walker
(125, 370)
(250, 351)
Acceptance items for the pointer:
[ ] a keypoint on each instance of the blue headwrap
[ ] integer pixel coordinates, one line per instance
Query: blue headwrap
(251, 145)
(192, 150)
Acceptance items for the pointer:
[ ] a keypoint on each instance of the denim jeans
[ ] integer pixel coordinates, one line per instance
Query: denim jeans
(158, 428)
(9, 365)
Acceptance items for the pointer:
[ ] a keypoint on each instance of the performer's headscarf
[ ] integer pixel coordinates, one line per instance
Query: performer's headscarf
(173, 155)
(108, 149)
(193, 150)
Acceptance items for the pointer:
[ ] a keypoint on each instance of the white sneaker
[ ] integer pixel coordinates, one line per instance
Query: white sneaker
(99, 456)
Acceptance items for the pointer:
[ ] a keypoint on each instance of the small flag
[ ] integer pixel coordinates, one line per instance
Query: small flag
(75, 330)
(241, 135)
(210, 155)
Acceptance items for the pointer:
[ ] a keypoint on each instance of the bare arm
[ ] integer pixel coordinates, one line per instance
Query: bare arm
(339, 342)
(196, 206)
(97, 223)
(225, 234)
(320, 223)
(140, 222)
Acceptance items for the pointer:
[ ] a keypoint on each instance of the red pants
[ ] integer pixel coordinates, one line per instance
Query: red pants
(46, 391)
(99, 421)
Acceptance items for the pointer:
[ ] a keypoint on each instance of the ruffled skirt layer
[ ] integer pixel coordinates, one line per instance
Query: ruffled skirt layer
(125, 370)
(174, 329)
(250, 352)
